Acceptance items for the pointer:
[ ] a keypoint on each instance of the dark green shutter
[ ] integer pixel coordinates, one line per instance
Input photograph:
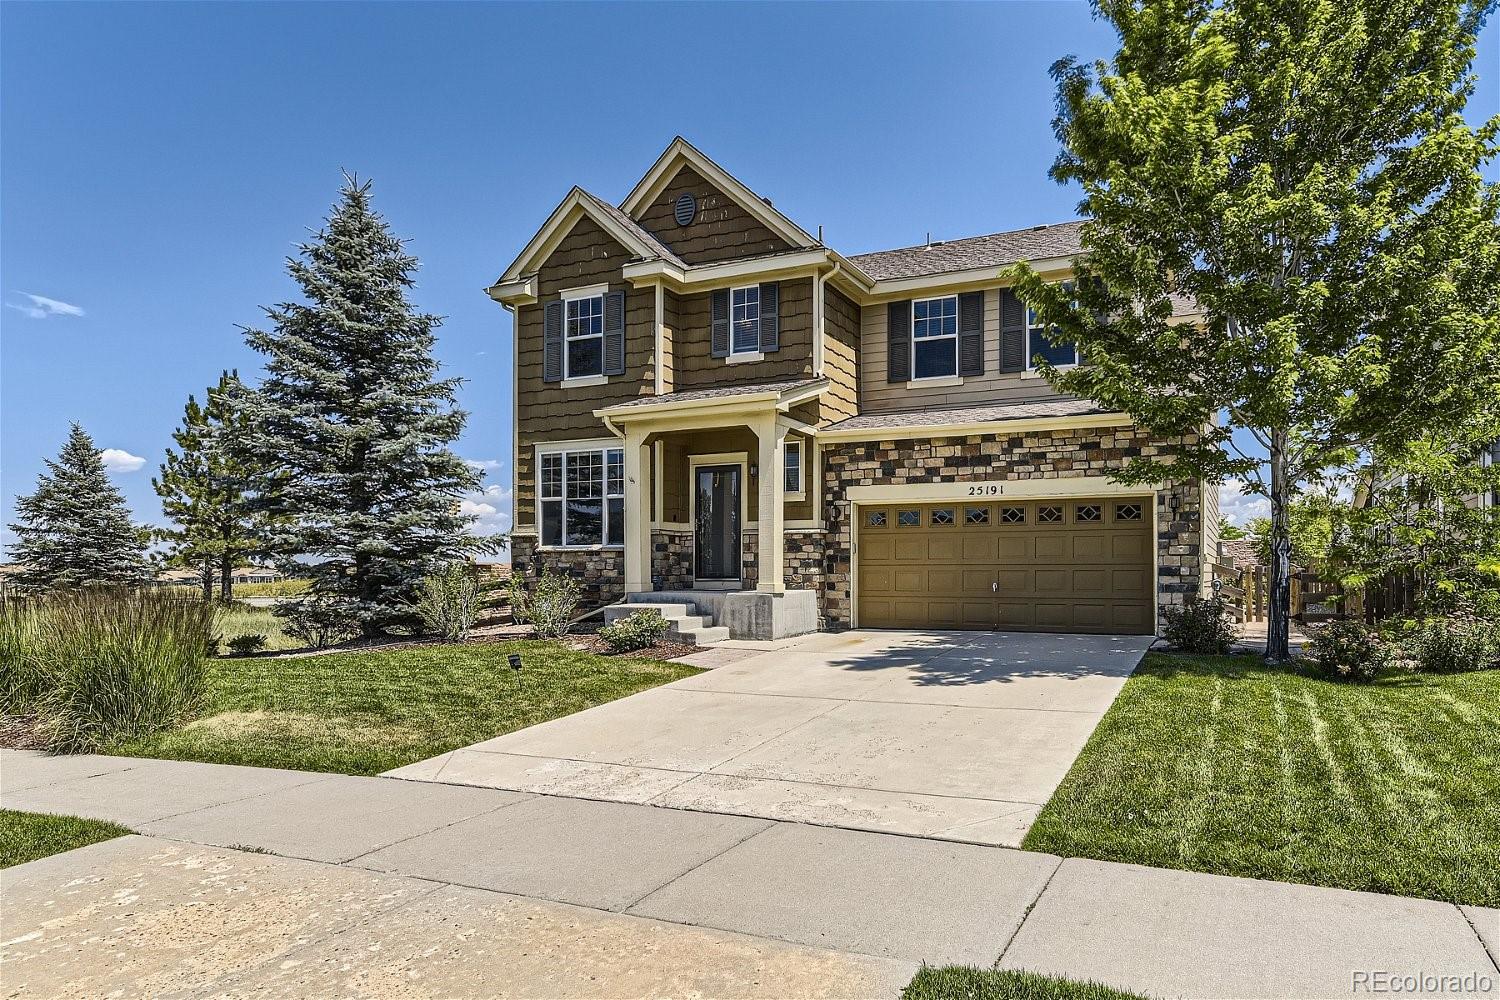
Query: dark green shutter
(770, 317)
(1012, 332)
(719, 337)
(898, 341)
(971, 333)
(614, 333)
(552, 342)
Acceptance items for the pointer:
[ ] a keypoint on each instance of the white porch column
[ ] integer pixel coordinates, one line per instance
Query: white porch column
(637, 513)
(770, 574)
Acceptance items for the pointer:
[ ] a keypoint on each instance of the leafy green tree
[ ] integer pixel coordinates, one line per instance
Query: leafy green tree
(1300, 173)
(1424, 515)
(351, 427)
(1230, 531)
(75, 530)
(203, 488)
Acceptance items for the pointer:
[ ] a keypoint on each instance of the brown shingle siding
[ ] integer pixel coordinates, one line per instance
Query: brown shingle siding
(840, 355)
(694, 367)
(721, 231)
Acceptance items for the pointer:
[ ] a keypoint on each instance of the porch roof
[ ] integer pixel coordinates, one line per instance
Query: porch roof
(772, 394)
(973, 419)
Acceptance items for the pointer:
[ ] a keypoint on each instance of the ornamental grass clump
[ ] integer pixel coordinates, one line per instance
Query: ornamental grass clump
(101, 664)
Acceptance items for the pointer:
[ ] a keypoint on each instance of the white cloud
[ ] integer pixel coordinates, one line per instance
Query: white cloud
(484, 464)
(490, 508)
(1238, 507)
(118, 460)
(41, 307)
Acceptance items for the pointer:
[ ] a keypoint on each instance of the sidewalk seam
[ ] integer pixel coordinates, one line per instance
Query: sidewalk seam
(1026, 914)
(525, 797)
(770, 824)
(1494, 959)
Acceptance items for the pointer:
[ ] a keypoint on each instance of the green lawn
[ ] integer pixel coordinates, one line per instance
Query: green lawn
(367, 712)
(955, 982)
(243, 619)
(1222, 764)
(28, 836)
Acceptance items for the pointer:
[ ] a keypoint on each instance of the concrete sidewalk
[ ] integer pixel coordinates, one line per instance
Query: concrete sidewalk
(640, 900)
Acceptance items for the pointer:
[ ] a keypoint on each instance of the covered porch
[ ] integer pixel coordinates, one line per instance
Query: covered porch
(715, 483)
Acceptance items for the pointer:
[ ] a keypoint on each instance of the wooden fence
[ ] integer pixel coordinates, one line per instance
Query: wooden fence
(1247, 591)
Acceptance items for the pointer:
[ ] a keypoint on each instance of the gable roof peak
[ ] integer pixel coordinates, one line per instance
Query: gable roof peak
(680, 152)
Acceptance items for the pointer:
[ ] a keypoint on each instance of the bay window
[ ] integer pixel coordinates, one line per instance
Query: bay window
(581, 497)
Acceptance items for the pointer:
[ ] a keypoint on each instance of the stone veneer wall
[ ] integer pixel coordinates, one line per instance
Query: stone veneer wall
(671, 559)
(601, 572)
(1037, 455)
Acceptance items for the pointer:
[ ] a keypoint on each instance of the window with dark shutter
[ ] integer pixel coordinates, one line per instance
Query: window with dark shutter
(719, 337)
(770, 317)
(898, 342)
(614, 333)
(971, 333)
(1012, 332)
(552, 342)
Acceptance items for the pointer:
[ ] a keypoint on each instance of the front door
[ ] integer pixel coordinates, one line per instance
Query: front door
(716, 523)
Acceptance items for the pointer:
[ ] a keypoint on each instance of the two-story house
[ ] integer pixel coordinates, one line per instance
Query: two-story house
(710, 400)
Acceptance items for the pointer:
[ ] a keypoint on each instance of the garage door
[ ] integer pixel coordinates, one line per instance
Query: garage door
(1077, 565)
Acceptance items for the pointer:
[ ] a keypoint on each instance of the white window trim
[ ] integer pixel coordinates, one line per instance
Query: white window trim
(575, 295)
(931, 381)
(935, 382)
(754, 353)
(797, 494)
(563, 449)
(1030, 371)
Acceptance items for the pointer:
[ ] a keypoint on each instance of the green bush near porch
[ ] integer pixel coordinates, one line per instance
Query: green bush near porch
(1223, 764)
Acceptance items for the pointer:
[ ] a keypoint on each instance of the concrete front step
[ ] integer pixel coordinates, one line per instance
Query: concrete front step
(615, 612)
(700, 636)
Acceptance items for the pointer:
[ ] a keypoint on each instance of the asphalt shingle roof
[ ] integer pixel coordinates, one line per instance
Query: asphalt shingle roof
(719, 392)
(659, 248)
(998, 413)
(995, 250)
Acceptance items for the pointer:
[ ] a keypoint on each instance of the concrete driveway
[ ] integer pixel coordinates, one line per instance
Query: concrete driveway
(952, 735)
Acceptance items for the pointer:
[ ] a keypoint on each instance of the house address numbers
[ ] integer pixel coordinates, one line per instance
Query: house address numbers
(986, 490)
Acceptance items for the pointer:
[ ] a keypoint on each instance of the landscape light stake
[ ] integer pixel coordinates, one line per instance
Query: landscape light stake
(515, 661)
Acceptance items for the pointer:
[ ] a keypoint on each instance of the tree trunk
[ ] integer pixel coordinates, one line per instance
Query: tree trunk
(226, 576)
(1279, 616)
(206, 577)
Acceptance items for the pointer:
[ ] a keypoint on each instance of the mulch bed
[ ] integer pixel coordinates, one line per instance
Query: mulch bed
(660, 651)
(21, 732)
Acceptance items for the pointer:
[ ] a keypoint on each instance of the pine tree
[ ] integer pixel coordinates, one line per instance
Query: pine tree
(351, 426)
(75, 530)
(203, 488)
(1302, 171)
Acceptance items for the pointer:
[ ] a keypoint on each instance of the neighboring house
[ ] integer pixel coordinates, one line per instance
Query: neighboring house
(254, 574)
(709, 399)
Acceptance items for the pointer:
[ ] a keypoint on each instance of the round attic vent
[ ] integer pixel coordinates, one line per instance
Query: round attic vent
(685, 210)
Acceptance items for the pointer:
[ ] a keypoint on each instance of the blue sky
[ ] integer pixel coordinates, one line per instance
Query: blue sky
(158, 162)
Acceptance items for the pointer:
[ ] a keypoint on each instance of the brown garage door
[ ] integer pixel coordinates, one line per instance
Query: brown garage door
(1077, 565)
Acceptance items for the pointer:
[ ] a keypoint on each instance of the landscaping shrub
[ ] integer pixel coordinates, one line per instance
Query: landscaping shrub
(638, 631)
(1455, 643)
(448, 601)
(318, 621)
(1345, 650)
(98, 664)
(247, 643)
(549, 606)
(1202, 627)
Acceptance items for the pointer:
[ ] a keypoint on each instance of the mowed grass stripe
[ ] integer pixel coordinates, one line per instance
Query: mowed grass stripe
(1225, 765)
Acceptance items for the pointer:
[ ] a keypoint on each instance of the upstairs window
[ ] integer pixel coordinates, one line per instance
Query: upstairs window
(582, 497)
(793, 481)
(934, 337)
(744, 320)
(584, 335)
(1042, 342)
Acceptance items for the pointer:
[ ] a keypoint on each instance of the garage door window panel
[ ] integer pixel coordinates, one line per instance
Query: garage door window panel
(976, 515)
(1049, 514)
